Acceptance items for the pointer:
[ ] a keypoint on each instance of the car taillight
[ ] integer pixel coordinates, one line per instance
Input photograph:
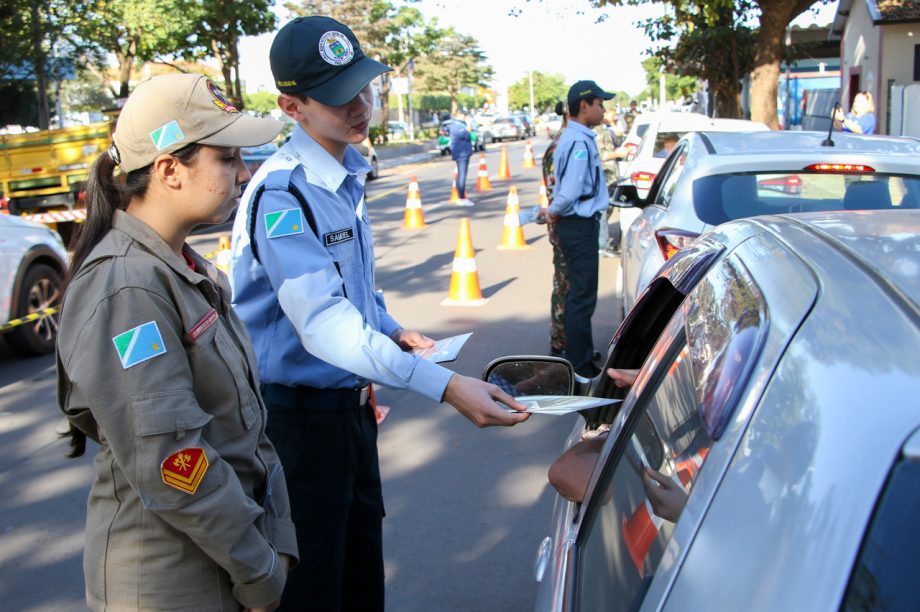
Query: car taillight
(839, 168)
(642, 179)
(4, 205)
(672, 241)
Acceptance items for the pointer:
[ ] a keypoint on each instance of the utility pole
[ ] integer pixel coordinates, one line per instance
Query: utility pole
(530, 77)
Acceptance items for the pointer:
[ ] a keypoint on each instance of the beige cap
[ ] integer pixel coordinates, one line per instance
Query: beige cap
(172, 111)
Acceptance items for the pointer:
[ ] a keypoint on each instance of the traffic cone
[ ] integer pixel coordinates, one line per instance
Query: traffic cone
(482, 178)
(454, 194)
(504, 172)
(542, 200)
(512, 232)
(464, 279)
(414, 218)
(222, 259)
(528, 156)
(639, 531)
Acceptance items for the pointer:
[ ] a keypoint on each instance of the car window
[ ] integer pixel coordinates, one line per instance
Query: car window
(665, 143)
(669, 182)
(724, 197)
(641, 129)
(634, 521)
(885, 574)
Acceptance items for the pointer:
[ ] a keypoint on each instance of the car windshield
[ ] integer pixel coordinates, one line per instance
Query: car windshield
(724, 197)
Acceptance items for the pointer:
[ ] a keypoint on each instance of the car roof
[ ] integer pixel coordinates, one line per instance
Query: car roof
(886, 242)
(727, 143)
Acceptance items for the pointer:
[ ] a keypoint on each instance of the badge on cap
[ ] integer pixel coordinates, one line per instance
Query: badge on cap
(219, 100)
(283, 223)
(335, 48)
(166, 135)
(184, 469)
(139, 344)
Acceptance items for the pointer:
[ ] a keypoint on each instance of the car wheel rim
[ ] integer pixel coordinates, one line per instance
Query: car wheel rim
(44, 294)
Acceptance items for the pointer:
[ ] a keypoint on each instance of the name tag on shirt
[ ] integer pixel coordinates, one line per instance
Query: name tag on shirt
(339, 236)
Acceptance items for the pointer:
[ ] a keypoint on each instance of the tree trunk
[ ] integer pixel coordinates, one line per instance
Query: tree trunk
(775, 16)
(125, 70)
(39, 57)
(385, 86)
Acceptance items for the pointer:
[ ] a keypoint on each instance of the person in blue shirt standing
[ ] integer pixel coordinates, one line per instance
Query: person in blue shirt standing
(579, 198)
(861, 118)
(302, 270)
(461, 148)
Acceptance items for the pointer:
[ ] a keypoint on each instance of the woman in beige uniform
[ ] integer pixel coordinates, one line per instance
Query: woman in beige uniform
(189, 508)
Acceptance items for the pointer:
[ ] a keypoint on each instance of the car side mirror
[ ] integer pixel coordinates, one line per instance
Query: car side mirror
(531, 375)
(626, 196)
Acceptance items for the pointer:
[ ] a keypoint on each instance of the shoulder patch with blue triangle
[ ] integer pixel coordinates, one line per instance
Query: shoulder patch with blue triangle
(139, 344)
(285, 222)
(580, 154)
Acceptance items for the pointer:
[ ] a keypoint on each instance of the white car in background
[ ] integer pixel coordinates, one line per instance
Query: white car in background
(33, 262)
(657, 131)
(712, 178)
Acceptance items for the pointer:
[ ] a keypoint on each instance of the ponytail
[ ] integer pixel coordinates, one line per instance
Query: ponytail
(104, 195)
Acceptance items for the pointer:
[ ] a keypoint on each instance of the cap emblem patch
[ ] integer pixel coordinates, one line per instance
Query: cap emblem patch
(335, 48)
(219, 100)
(166, 135)
(184, 469)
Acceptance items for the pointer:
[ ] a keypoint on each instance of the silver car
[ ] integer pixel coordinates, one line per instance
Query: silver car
(505, 128)
(711, 178)
(767, 456)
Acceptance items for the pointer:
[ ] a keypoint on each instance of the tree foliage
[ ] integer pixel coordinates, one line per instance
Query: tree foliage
(456, 63)
(547, 90)
(692, 17)
(675, 86)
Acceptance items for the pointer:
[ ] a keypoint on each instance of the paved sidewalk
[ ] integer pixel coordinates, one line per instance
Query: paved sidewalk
(394, 155)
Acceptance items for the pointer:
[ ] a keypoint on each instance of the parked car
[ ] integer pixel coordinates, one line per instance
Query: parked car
(551, 123)
(254, 157)
(478, 137)
(32, 265)
(712, 178)
(397, 130)
(767, 456)
(508, 128)
(366, 149)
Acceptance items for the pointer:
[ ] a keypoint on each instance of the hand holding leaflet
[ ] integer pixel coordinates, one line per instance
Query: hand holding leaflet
(443, 350)
(563, 404)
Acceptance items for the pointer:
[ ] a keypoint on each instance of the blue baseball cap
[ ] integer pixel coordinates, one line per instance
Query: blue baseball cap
(321, 58)
(586, 89)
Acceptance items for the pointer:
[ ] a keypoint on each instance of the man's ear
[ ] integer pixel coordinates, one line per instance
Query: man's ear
(291, 107)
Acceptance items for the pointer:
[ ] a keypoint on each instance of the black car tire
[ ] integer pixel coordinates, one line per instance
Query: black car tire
(41, 288)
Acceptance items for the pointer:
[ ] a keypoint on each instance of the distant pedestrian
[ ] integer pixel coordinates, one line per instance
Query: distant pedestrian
(861, 118)
(189, 507)
(461, 149)
(579, 198)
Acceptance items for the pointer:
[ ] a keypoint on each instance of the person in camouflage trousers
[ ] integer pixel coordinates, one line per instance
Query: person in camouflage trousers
(560, 280)
(607, 149)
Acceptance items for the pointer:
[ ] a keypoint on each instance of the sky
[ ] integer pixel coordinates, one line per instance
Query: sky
(550, 36)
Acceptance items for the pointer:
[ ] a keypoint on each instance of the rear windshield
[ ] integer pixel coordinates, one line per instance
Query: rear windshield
(504, 121)
(724, 197)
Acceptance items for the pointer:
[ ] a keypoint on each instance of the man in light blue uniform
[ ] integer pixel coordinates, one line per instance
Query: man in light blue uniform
(579, 198)
(303, 282)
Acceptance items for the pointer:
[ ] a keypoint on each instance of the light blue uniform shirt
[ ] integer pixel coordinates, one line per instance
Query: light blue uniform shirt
(580, 185)
(309, 301)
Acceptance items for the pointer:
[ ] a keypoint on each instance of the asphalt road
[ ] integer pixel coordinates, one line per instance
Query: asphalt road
(466, 508)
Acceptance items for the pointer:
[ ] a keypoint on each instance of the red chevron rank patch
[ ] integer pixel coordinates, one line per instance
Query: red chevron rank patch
(184, 469)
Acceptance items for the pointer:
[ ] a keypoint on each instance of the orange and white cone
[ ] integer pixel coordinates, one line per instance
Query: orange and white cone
(222, 260)
(464, 279)
(414, 218)
(482, 177)
(454, 194)
(504, 171)
(639, 531)
(512, 232)
(543, 200)
(528, 156)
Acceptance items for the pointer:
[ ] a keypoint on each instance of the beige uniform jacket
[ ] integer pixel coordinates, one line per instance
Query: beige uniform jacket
(189, 507)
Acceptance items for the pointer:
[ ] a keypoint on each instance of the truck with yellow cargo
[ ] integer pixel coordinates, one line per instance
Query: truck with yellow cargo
(43, 174)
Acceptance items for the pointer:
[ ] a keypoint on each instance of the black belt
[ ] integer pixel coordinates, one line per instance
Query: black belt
(294, 396)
